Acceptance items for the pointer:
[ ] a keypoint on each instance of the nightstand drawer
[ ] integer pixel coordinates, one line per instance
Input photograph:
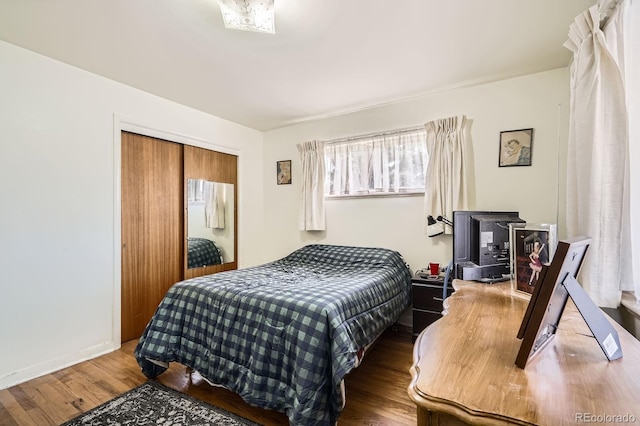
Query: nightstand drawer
(429, 297)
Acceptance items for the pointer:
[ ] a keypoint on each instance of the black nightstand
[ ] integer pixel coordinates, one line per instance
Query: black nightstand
(427, 301)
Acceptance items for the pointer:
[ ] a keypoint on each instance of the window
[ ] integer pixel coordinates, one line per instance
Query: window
(388, 163)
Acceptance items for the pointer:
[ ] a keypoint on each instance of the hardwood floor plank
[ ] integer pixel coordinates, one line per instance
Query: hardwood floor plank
(11, 412)
(21, 398)
(60, 402)
(39, 418)
(367, 402)
(39, 404)
(87, 394)
(376, 391)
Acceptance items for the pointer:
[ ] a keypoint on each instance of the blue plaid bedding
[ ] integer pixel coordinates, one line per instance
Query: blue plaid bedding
(202, 252)
(284, 334)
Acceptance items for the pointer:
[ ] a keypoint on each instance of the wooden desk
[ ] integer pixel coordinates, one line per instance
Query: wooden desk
(464, 368)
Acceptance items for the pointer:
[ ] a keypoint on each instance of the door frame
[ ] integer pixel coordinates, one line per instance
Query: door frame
(127, 124)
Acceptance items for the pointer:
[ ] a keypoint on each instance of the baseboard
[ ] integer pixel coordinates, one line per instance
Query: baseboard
(47, 367)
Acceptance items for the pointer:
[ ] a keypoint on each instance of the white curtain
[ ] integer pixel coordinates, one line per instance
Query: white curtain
(398, 162)
(312, 215)
(598, 152)
(195, 190)
(214, 205)
(394, 162)
(446, 178)
(632, 88)
(349, 165)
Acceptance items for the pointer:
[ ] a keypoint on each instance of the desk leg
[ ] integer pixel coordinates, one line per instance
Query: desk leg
(423, 416)
(433, 418)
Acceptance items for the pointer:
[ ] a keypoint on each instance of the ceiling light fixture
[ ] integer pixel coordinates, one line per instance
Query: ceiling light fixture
(248, 15)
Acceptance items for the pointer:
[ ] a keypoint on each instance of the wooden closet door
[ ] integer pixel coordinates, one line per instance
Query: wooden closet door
(152, 227)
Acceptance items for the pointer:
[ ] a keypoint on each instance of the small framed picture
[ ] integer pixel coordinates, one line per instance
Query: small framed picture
(544, 311)
(532, 245)
(283, 172)
(515, 148)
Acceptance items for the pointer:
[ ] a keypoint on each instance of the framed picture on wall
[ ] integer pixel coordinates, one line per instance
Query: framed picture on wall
(516, 147)
(283, 172)
(532, 246)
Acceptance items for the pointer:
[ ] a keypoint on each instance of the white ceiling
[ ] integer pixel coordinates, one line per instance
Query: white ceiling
(327, 56)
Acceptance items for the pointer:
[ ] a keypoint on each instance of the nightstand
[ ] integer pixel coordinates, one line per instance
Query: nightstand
(427, 301)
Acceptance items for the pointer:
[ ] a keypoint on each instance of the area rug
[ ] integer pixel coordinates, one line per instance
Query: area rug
(154, 404)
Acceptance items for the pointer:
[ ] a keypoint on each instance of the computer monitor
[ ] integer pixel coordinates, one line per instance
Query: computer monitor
(481, 244)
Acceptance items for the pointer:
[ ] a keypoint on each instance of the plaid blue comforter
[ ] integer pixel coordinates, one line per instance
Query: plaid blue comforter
(284, 334)
(202, 252)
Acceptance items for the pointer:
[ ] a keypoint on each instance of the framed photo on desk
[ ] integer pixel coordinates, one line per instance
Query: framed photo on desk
(532, 246)
(549, 299)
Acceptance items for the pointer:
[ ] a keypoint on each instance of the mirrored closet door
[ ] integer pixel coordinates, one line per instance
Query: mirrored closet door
(211, 213)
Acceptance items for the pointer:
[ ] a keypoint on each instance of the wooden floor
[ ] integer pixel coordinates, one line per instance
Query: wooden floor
(376, 391)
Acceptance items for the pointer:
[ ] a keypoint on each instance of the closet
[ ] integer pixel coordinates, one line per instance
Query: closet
(157, 182)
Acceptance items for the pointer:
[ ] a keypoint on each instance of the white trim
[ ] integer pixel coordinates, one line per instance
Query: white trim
(120, 124)
(34, 371)
(116, 331)
(146, 129)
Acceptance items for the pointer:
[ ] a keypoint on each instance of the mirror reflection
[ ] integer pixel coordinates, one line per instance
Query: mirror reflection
(210, 224)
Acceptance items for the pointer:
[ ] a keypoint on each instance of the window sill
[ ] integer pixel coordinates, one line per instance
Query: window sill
(630, 303)
(379, 195)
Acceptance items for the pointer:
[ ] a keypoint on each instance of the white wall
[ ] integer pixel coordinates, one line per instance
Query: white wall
(539, 101)
(59, 220)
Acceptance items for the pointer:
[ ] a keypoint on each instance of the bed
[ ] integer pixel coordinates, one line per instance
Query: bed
(282, 335)
(202, 252)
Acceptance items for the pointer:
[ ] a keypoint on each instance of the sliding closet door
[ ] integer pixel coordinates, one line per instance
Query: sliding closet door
(219, 168)
(152, 226)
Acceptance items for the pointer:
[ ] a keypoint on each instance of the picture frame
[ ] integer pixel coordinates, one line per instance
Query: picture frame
(516, 148)
(283, 172)
(558, 284)
(532, 246)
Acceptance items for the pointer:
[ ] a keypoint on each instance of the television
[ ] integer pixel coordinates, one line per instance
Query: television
(481, 245)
